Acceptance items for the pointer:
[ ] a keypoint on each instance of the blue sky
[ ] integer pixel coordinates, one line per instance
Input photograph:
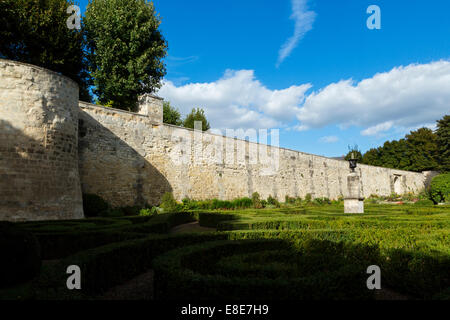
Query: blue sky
(339, 83)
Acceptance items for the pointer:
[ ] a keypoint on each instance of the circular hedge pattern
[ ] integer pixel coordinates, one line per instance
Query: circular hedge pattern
(264, 269)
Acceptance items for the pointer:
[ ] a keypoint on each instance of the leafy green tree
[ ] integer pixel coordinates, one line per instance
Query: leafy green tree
(422, 150)
(36, 32)
(125, 50)
(418, 151)
(443, 142)
(393, 154)
(171, 115)
(196, 115)
(356, 153)
(372, 157)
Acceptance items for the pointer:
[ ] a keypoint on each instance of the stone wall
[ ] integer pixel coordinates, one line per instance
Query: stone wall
(51, 144)
(38, 144)
(131, 159)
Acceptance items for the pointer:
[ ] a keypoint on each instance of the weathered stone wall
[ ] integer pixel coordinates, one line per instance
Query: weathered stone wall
(38, 144)
(50, 142)
(131, 159)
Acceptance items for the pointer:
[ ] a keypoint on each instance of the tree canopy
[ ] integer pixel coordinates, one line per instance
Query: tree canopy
(125, 50)
(420, 150)
(171, 115)
(196, 115)
(443, 143)
(36, 32)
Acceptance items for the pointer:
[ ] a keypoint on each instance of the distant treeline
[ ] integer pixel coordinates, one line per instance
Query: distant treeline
(420, 150)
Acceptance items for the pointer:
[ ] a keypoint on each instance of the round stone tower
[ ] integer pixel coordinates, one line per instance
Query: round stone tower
(39, 177)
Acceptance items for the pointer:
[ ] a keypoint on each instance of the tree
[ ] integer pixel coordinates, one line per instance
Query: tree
(422, 150)
(196, 115)
(418, 151)
(372, 157)
(443, 142)
(356, 153)
(36, 32)
(171, 115)
(125, 50)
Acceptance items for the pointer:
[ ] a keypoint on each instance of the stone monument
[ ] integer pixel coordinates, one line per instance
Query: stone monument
(353, 202)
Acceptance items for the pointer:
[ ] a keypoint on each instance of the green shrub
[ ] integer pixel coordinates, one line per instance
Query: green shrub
(20, 255)
(424, 195)
(289, 200)
(256, 200)
(440, 188)
(94, 205)
(242, 203)
(168, 202)
(321, 201)
(308, 198)
(215, 204)
(147, 212)
(271, 201)
(424, 203)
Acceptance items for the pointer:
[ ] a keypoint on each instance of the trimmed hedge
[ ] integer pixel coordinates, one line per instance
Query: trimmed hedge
(20, 255)
(213, 219)
(418, 274)
(192, 273)
(409, 243)
(110, 265)
(59, 239)
(424, 203)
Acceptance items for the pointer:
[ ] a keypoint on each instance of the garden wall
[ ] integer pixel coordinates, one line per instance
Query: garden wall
(50, 144)
(131, 159)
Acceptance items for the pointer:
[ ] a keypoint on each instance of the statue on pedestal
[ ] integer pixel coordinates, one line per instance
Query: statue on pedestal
(353, 202)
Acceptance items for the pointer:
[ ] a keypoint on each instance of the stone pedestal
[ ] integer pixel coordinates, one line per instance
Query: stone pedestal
(353, 202)
(151, 106)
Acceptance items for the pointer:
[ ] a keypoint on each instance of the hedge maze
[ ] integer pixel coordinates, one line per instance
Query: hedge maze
(289, 253)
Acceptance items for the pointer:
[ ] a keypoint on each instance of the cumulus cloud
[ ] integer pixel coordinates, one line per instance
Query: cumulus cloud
(404, 97)
(237, 100)
(304, 20)
(374, 130)
(399, 100)
(329, 139)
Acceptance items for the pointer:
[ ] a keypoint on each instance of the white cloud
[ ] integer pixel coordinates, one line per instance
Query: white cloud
(374, 130)
(304, 20)
(329, 139)
(404, 97)
(237, 100)
(397, 101)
